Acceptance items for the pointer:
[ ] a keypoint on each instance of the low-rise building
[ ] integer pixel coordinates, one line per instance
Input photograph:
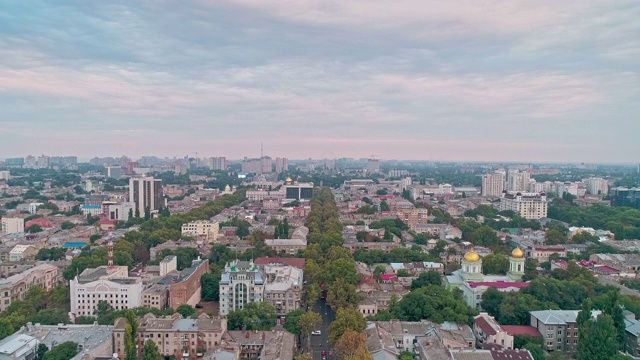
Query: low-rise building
(94, 341)
(211, 229)
(18, 347)
(22, 251)
(182, 338)
(263, 345)
(489, 331)
(558, 328)
(283, 288)
(105, 283)
(15, 287)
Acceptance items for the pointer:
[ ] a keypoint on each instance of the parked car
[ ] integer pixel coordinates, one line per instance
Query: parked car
(316, 332)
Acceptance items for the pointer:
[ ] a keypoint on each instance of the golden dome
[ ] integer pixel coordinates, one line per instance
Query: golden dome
(289, 180)
(517, 253)
(471, 256)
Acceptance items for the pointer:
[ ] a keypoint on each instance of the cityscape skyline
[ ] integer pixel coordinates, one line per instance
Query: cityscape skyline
(412, 80)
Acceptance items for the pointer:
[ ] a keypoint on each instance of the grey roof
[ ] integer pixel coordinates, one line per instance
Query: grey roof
(471, 355)
(12, 344)
(90, 336)
(557, 317)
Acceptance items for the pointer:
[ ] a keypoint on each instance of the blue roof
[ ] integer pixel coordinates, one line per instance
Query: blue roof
(75, 244)
(92, 207)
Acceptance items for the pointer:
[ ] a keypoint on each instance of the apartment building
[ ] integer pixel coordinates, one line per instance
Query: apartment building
(15, 287)
(202, 228)
(22, 251)
(12, 225)
(283, 288)
(518, 180)
(413, 217)
(558, 328)
(174, 336)
(105, 283)
(146, 192)
(186, 287)
(493, 184)
(241, 283)
(488, 331)
(291, 246)
(531, 206)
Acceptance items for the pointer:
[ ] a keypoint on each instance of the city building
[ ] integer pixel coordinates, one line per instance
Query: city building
(291, 246)
(5, 175)
(373, 166)
(282, 165)
(146, 192)
(18, 347)
(531, 206)
(241, 283)
(121, 211)
(186, 288)
(114, 172)
(596, 186)
(558, 328)
(413, 217)
(489, 331)
(22, 251)
(518, 180)
(298, 191)
(211, 229)
(15, 287)
(174, 336)
(218, 164)
(257, 166)
(93, 341)
(493, 184)
(283, 288)
(474, 283)
(262, 345)
(12, 225)
(622, 196)
(105, 283)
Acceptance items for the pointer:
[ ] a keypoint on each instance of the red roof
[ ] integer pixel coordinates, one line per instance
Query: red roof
(44, 223)
(295, 262)
(521, 330)
(498, 284)
(484, 325)
(387, 277)
(606, 269)
(107, 222)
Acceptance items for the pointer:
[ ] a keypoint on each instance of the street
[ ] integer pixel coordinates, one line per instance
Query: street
(320, 343)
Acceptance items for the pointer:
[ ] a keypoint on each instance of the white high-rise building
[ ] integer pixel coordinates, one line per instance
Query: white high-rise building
(12, 225)
(5, 175)
(531, 206)
(373, 166)
(492, 184)
(518, 180)
(241, 283)
(597, 186)
(146, 192)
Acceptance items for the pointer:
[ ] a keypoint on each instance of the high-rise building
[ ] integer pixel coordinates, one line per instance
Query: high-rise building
(114, 172)
(373, 166)
(621, 196)
(218, 163)
(597, 186)
(42, 162)
(518, 180)
(146, 192)
(4, 175)
(531, 206)
(492, 184)
(282, 165)
(14, 162)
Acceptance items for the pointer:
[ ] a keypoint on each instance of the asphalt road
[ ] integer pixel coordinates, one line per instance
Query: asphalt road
(320, 343)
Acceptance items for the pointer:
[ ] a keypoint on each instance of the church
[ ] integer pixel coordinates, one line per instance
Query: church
(474, 283)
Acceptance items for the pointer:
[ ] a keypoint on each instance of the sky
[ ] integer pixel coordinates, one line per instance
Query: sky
(535, 81)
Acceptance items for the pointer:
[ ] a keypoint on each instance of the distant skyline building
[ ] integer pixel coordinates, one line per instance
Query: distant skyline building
(518, 180)
(493, 184)
(146, 192)
(114, 172)
(622, 196)
(257, 166)
(373, 166)
(218, 164)
(282, 165)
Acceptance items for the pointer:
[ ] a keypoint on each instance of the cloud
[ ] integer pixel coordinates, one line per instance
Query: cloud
(331, 77)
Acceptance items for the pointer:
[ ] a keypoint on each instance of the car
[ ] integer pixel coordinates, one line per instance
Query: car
(324, 353)
(316, 332)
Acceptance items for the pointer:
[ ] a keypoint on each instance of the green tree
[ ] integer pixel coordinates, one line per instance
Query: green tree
(35, 228)
(535, 350)
(67, 225)
(597, 339)
(585, 313)
(495, 264)
(186, 310)
(291, 321)
(151, 351)
(346, 319)
(129, 343)
(485, 236)
(64, 351)
(554, 237)
(42, 349)
(491, 300)
(5, 328)
(430, 277)
(51, 317)
(210, 287)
